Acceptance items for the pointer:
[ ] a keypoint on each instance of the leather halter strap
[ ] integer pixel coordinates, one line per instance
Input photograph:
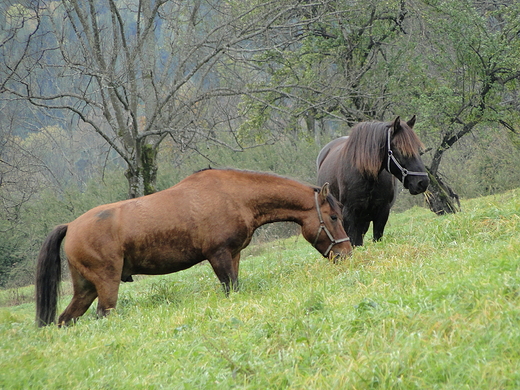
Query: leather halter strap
(333, 241)
(404, 172)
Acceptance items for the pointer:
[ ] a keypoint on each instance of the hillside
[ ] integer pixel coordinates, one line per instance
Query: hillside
(436, 304)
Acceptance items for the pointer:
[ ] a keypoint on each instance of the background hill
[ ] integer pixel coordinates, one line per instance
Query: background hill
(434, 305)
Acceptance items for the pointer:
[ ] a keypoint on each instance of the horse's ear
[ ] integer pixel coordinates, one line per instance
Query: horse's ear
(396, 125)
(325, 191)
(411, 122)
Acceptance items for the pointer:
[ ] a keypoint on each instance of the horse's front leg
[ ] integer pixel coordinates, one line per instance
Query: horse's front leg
(356, 230)
(225, 267)
(380, 223)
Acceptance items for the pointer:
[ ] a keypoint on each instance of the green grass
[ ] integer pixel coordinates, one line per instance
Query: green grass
(435, 305)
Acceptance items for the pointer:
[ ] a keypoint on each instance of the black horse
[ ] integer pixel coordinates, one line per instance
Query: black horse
(362, 170)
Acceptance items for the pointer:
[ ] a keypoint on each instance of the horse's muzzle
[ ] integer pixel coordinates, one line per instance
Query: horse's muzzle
(337, 258)
(419, 185)
(340, 252)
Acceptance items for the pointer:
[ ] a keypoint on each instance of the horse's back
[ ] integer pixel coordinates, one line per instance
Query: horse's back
(167, 224)
(329, 165)
(325, 151)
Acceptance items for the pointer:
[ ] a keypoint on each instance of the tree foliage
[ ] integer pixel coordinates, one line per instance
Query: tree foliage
(337, 69)
(472, 74)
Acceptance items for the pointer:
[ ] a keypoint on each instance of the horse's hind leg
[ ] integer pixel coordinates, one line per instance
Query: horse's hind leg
(102, 283)
(84, 294)
(107, 296)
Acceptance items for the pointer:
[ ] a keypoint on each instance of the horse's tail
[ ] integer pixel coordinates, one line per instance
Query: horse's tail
(48, 276)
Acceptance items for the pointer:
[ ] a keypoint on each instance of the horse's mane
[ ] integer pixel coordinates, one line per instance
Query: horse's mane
(366, 145)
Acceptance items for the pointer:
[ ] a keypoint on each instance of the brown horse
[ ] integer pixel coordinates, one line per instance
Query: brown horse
(362, 170)
(211, 215)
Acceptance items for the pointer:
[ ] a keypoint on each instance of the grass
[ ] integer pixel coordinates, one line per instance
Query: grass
(435, 305)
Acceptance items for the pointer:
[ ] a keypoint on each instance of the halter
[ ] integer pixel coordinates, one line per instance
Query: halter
(333, 241)
(404, 172)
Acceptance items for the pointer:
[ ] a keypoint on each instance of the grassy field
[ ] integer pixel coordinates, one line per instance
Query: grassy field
(435, 305)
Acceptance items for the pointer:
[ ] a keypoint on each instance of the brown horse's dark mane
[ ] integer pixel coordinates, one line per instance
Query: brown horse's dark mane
(367, 141)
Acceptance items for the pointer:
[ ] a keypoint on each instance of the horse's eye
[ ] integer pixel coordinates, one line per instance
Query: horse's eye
(334, 217)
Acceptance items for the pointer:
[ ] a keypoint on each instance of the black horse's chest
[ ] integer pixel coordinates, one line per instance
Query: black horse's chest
(366, 199)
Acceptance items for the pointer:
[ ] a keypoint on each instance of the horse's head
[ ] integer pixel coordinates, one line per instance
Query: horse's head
(324, 226)
(403, 158)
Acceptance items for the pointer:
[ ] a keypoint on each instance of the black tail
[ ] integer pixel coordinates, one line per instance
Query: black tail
(48, 277)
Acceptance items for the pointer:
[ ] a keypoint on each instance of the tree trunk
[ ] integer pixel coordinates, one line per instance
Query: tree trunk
(440, 197)
(149, 168)
(142, 177)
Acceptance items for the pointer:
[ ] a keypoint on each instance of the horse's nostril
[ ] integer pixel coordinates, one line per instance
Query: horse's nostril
(418, 186)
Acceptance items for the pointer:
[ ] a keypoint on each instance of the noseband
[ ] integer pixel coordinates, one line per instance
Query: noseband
(404, 172)
(333, 241)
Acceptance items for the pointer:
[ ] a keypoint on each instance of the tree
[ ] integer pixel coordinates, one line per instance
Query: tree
(140, 71)
(18, 170)
(470, 77)
(337, 70)
(18, 29)
(454, 63)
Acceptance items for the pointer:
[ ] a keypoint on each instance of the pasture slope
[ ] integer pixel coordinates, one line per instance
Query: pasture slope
(435, 305)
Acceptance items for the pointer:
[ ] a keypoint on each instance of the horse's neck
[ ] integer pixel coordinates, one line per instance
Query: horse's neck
(281, 202)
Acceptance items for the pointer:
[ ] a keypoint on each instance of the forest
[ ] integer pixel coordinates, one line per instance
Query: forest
(113, 99)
